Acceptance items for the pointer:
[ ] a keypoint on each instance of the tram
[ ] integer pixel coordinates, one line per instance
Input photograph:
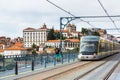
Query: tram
(96, 47)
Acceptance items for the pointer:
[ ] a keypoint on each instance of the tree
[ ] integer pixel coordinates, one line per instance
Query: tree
(34, 49)
(84, 31)
(96, 33)
(34, 46)
(51, 35)
(57, 36)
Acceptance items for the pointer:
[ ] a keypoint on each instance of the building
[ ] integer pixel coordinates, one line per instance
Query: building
(69, 31)
(36, 36)
(72, 44)
(65, 33)
(2, 47)
(67, 44)
(16, 49)
(71, 27)
(54, 43)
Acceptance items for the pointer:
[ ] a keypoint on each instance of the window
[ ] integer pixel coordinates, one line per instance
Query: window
(102, 46)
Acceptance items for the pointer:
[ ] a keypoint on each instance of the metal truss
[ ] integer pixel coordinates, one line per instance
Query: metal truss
(63, 25)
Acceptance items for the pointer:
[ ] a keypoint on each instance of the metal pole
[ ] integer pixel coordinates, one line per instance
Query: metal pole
(26, 57)
(16, 68)
(60, 34)
(45, 62)
(62, 57)
(4, 63)
(32, 65)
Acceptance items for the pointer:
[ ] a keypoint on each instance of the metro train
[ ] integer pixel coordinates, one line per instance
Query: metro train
(96, 47)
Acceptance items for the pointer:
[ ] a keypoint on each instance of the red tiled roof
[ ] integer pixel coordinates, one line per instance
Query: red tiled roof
(59, 31)
(1, 50)
(53, 41)
(29, 28)
(15, 48)
(1, 44)
(74, 40)
(19, 44)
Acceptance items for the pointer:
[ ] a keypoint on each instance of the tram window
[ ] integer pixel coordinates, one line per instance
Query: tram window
(108, 47)
(102, 47)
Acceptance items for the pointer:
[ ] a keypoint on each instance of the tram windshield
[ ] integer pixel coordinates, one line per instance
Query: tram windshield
(88, 46)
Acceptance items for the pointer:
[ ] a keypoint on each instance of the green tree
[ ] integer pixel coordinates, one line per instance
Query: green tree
(84, 31)
(96, 33)
(51, 35)
(34, 49)
(57, 36)
(34, 46)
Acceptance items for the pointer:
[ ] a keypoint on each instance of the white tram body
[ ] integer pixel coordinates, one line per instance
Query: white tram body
(95, 47)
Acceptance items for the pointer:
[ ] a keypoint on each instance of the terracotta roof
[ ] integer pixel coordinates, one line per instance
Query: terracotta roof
(59, 31)
(1, 50)
(29, 28)
(19, 44)
(15, 48)
(73, 40)
(53, 41)
(1, 44)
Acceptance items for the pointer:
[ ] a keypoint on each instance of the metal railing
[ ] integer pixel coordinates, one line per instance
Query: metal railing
(15, 64)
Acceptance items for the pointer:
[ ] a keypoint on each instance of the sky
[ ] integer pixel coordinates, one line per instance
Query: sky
(16, 15)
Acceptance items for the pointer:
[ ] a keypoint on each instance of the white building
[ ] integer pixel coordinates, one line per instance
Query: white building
(2, 47)
(14, 50)
(54, 43)
(36, 36)
(66, 44)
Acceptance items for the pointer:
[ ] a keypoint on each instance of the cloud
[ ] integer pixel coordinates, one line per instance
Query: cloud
(16, 15)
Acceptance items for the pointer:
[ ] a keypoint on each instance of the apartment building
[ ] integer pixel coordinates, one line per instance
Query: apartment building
(36, 36)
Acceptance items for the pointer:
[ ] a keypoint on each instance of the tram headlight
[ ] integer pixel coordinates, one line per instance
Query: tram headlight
(94, 55)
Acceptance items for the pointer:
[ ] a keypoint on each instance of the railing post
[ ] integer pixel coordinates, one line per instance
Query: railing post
(4, 63)
(32, 65)
(45, 63)
(26, 61)
(62, 58)
(16, 68)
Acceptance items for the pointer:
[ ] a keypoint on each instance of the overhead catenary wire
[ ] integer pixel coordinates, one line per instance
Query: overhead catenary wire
(89, 16)
(108, 16)
(69, 13)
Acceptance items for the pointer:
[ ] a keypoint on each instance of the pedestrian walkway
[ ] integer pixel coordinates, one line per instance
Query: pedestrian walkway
(39, 70)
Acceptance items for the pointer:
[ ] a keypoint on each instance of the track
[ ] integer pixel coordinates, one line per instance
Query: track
(68, 71)
(80, 70)
(54, 71)
(99, 72)
(86, 73)
(111, 71)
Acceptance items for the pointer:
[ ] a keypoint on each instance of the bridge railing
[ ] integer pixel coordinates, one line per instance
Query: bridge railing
(21, 63)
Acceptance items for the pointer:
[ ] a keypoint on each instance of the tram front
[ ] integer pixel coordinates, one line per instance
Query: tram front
(88, 48)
